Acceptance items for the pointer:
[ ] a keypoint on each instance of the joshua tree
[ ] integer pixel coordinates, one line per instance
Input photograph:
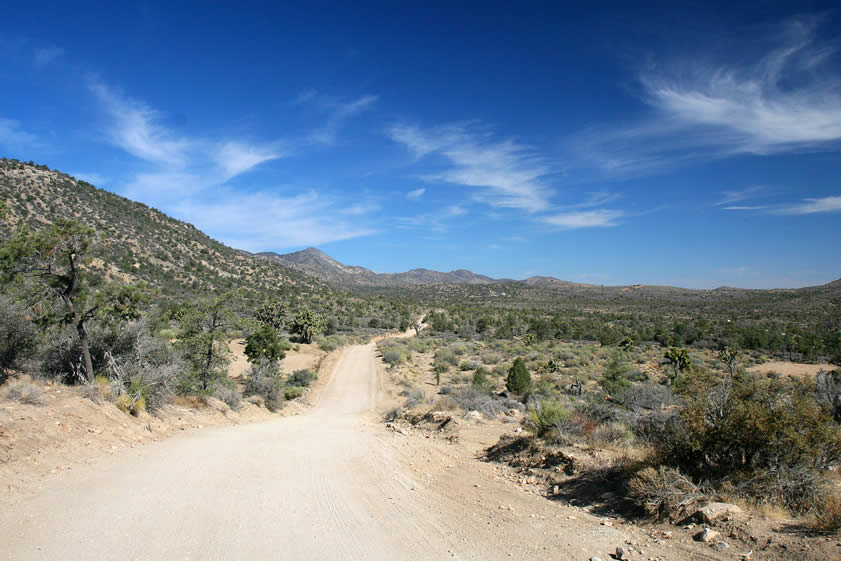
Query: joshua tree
(679, 360)
(729, 356)
(307, 325)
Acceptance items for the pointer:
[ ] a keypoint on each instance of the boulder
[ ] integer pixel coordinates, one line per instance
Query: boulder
(706, 535)
(715, 511)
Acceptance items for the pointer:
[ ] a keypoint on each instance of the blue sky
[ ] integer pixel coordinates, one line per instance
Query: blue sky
(672, 143)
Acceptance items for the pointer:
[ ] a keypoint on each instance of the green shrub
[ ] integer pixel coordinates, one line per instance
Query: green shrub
(548, 415)
(293, 392)
(264, 379)
(519, 379)
(446, 357)
(303, 378)
(480, 380)
(753, 431)
(17, 335)
(265, 344)
(392, 357)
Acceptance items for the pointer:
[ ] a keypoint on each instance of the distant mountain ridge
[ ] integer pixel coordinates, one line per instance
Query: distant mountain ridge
(322, 266)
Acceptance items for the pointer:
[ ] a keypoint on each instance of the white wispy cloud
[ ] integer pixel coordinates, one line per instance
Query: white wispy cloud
(135, 127)
(507, 174)
(338, 113)
(746, 207)
(11, 134)
(235, 158)
(812, 206)
(785, 99)
(600, 218)
(782, 101)
(264, 220)
(437, 221)
(190, 174)
(359, 209)
(415, 194)
(737, 196)
(42, 57)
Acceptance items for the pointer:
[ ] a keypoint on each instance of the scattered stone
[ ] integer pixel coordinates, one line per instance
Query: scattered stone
(720, 546)
(620, 553)
(595, 559)
(706, 535)
(714, 511)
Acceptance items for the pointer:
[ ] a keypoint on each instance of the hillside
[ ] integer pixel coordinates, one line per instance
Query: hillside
(139, 242)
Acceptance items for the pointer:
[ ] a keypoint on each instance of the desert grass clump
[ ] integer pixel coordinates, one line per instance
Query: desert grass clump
(470, 399)
(23, 391)
(610, 434)
(828, 517)
(414, 396)
(663, 492)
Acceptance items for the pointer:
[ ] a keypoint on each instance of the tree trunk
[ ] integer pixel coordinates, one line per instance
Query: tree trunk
(83, 339)
(86, 352)
(209, 362)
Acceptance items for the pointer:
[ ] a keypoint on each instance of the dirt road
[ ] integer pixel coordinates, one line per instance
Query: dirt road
(329, 484)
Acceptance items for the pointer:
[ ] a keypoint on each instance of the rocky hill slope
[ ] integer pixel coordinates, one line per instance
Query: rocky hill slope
(138, 242)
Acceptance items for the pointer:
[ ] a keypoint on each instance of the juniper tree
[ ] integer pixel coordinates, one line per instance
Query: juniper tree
(53, 270)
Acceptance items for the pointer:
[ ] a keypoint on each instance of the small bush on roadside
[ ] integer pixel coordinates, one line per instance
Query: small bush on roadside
(828, 516)
(229, 395)
(264, 379)
(470, 399)
(17, 336)
(293, 392)
(302, 378)
(23, 391)
(548, 415)
(770, 438)
(663, 492)
(392, 357)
